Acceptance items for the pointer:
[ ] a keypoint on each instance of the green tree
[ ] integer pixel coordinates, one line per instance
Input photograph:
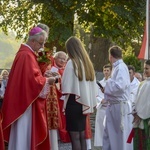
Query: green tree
(130, 59)
(118, 20)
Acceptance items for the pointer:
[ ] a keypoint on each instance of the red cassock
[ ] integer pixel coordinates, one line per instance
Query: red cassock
(63, 134)
(24, 85)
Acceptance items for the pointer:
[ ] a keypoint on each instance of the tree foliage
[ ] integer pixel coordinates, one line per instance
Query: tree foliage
(118, 20)
(130, 59)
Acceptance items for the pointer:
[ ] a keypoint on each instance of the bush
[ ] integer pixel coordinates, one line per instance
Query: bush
(133, 60)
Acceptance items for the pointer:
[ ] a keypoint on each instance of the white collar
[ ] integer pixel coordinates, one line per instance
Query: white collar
(28, 47)
(117, 62)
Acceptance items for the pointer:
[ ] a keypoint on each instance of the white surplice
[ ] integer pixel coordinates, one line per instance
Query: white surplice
(142, 102)
(134, 87)
(99, 119)
(85, 91)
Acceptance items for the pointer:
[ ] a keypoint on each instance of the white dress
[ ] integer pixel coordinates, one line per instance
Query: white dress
(85, 91)
(99, 119)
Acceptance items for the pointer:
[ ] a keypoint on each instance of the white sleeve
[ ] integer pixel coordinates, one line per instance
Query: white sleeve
(100, 96)
(2, 90)
(118, 83)
(45, 90)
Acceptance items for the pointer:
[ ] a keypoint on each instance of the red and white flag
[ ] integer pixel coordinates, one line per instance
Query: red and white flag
(145, 50)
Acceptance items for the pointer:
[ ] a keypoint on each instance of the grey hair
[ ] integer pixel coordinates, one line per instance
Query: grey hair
(37, 35)
(60, 52)
(44, 27)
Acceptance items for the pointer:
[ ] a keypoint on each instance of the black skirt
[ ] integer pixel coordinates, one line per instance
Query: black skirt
(75, 120)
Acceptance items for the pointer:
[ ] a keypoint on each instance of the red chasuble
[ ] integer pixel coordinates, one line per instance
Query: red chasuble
(24, 86)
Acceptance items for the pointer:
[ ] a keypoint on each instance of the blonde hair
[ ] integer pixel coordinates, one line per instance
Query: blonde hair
(4, 71)
(79, 56)
(1, 77)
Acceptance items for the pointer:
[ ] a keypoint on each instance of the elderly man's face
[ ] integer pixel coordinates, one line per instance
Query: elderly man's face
(61, 60)
(39, 43)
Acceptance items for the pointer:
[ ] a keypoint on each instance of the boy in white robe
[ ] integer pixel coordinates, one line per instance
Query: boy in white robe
(101, 108)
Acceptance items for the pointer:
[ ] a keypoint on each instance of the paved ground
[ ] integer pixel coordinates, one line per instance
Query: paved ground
(67, 146)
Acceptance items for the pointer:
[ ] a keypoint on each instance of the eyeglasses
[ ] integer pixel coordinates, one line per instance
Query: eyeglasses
(41, 44)
(62, 59)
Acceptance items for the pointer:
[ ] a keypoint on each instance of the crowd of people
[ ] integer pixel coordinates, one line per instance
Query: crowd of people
(43, 104)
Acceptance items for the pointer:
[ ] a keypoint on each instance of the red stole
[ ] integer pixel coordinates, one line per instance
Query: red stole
(53, 112)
